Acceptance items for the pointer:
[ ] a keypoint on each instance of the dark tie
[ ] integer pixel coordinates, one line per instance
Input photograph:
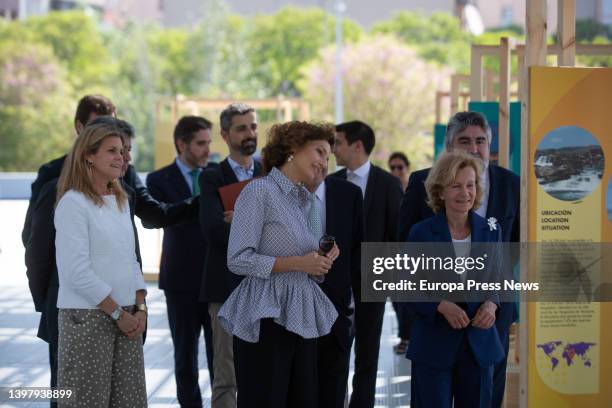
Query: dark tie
(195, 186)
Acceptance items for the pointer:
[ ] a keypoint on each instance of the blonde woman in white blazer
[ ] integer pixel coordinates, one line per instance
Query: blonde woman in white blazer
(101, 300)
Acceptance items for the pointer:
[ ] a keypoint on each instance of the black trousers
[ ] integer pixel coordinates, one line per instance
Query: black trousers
(186, 318)
(278, 371)
(368, 327)
(333, 358)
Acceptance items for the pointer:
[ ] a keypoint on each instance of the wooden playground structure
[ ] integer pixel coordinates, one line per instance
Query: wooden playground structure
(480, 85)
(505, 86)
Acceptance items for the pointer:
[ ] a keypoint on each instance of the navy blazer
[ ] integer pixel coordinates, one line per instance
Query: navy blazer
(504, 202)
(183, 246)
(432, 340)
(217, 281)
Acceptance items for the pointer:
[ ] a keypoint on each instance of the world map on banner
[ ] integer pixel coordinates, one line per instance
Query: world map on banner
(556, 352)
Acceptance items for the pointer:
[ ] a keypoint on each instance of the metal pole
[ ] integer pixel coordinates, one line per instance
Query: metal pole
(23, 10)
(339, 97)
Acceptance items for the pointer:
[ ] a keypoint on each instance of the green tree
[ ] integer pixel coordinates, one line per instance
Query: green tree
(36, 105)
(494, 37)
(593, 60)
(398, 102)
(139, 81)
(76, 42)
(437, 37)
(279, 45)
(589, 29)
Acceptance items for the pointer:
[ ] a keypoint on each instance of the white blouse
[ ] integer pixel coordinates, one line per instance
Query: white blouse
(95, 253)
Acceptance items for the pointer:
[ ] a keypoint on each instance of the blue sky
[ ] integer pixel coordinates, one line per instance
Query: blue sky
(565, 136)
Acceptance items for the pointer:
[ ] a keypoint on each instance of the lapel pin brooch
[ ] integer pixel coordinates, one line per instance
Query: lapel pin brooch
(492, 223)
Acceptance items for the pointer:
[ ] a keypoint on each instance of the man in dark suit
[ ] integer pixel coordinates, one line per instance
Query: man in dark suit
(40, 244)
(340, 208)
(382, 194)
(239, 130)
(469, 131)
(180, 269)
(88, 108)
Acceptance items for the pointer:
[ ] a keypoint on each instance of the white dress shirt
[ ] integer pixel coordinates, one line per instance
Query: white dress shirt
(359, 176)
(241, 172)
(95, 253)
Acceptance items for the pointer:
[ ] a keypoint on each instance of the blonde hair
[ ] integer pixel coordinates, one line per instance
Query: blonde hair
(76, 175)
(444, 173)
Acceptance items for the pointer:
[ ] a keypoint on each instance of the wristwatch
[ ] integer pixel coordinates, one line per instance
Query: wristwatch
(142, 308)
(116, 315)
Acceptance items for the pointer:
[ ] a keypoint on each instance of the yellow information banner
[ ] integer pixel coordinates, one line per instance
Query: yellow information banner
(570, 130)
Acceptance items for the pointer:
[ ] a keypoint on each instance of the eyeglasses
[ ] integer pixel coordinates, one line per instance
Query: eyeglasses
(397, 167)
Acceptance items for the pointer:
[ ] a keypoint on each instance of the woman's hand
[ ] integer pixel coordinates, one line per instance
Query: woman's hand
(485, 315)
(334, 253)
(127, 323)
(454, 315)
(315, 264)
(142, 324)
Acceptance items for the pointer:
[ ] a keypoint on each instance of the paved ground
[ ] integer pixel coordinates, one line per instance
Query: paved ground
(23, 357)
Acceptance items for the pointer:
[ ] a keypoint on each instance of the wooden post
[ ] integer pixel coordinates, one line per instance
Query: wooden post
(522, 79)
(506, 45)
(535, 54)
(490, 84)
(566, 32)
(303, 111)
(476, 93)
(439, 95)
(287, 111)
(454, 94)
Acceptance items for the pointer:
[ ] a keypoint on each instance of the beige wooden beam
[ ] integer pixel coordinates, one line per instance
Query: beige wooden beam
(439, 96)
(506, 45)
(454, 96)
(490, 85)
(566, 32)
(303, 111)
(219, 104)
(456, 80)
(476, 74)
(535, 54)
(553, 49)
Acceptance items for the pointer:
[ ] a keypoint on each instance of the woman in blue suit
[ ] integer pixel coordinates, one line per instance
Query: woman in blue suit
(454, 346)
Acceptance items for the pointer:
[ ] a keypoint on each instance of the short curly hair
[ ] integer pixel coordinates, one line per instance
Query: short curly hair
(444, 172)
(283, 138)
